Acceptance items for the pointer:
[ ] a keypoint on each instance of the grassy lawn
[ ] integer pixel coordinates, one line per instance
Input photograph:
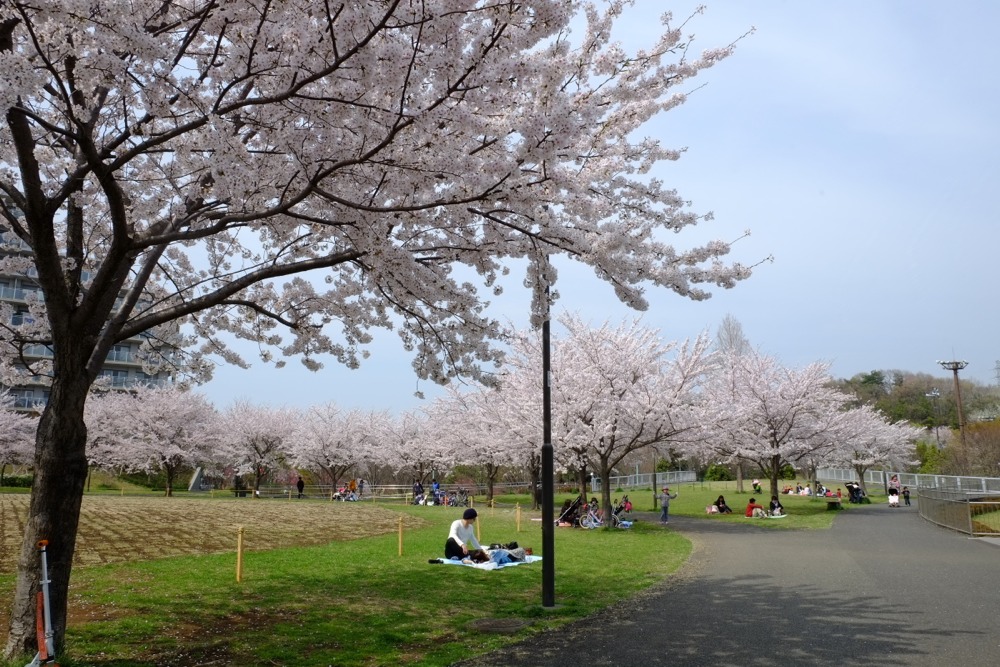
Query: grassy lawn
(323, 582)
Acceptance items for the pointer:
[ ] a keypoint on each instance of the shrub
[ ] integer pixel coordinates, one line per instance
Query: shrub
(19, 481)
(718, 473)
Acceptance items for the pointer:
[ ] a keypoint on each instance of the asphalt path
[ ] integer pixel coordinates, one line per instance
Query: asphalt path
(881, 587)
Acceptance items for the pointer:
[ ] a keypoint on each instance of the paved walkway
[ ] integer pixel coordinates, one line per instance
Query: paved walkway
(881, 587)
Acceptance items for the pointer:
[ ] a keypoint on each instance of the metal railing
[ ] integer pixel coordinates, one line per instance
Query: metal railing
(970, 512)
(970, 505)
(913, 480)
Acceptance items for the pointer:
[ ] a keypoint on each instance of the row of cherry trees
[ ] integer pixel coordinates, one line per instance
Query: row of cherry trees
(620, 390)
(617, 391)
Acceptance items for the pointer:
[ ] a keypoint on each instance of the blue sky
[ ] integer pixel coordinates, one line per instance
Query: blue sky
(859, 142)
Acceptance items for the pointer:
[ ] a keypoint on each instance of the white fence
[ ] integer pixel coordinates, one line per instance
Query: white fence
(645, 480)
(881, 478)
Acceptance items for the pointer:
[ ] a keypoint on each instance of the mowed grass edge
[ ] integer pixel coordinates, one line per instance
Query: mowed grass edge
(355, 601)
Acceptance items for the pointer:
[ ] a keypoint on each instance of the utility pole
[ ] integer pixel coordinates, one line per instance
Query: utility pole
(955, 367)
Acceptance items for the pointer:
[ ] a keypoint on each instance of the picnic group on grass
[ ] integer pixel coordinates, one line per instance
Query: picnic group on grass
(463, 546)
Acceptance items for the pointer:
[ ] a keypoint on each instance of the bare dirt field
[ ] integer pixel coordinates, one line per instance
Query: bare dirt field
(116, 529)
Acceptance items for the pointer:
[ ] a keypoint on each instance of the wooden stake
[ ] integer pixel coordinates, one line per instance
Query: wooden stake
(519, 517)
(239, 554)
(400, 536)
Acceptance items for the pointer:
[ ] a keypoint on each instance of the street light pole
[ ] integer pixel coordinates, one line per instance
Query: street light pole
(548, 470)
(955, 367)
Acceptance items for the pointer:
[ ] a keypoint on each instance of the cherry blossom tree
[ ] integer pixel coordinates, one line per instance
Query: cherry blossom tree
(257, 438)
(762, 412)
(334, 441)
(409, 448)
(464, 422)
(153, 429)
(623, 389)
(519, 394)
(16, 435)
(513, 407)
(108, 436)
(869, 439)
(730, 343)
(277, 170)
(616, 390)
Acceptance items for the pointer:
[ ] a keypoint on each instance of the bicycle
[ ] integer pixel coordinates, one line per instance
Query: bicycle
(590, 520)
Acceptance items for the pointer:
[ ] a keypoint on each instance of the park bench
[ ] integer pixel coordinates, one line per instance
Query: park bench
(832, 502)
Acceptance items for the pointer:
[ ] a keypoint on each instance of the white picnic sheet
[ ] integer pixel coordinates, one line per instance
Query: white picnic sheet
(491, 565)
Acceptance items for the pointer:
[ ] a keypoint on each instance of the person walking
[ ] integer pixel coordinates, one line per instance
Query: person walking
(300, 485)
(665, 499)
(906, 496)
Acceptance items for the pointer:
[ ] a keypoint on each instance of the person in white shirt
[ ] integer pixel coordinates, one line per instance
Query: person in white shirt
(461, 535)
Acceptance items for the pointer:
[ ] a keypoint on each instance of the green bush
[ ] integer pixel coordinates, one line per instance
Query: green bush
(19, 481)
(718, 473)
(157, 480)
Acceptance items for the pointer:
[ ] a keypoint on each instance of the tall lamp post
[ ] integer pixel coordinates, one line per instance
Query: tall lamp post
(955, 367)
(934, 395)
(548, 468)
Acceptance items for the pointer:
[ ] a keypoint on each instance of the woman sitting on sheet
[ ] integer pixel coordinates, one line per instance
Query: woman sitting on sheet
(723, 507)
(461, 536)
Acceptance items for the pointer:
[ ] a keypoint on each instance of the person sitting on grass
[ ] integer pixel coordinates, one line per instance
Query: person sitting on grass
(595, 507)
(776, 508)
(461, 536)
(755, 510)
(723, 507)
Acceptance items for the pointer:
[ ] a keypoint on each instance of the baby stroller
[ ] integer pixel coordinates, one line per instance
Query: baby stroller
(856, 494)
(570, 513)
(893, 497)
(620, 514)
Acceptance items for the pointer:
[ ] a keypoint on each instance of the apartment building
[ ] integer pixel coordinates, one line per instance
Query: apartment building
(122, 368)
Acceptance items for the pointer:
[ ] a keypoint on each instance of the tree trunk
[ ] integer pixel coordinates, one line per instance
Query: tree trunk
(775, 472)
(860, 471)
(606, 494)
(739, 476)
(54, 515)
(535, 466)
(491, 477)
